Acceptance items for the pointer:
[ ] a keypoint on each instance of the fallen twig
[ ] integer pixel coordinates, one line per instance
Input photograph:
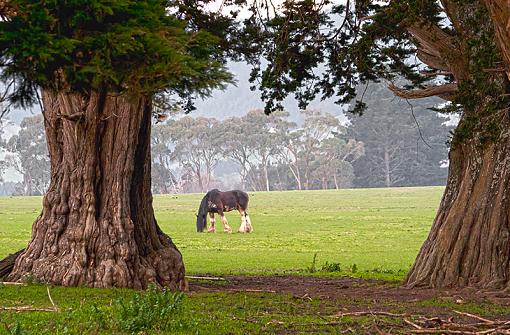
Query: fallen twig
(51, 300)
(27, 309)
(379, 331)
(305, 296)
(251, 290)
(340, 315)
(8, 283)
(488, 331)
(441, 331)
(205, 278)
(412, 324)
(474, 317)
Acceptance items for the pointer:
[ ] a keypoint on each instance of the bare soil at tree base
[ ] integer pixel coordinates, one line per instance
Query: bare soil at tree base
(378, 306)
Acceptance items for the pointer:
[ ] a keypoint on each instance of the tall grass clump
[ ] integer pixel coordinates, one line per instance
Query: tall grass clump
(152, 310)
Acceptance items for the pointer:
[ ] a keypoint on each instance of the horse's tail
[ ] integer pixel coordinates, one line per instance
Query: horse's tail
(202, 213)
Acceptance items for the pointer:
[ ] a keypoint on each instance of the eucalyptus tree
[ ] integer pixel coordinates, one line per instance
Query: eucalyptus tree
(317, 127)
(30, 156)
(163, 178)
(3, 149)
(197, 146)
(289, 155)
(266, 136)
(236, 144)
(334, 161)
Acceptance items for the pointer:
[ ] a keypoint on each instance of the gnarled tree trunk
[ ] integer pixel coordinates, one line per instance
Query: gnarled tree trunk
(97, 226)
(469, 244)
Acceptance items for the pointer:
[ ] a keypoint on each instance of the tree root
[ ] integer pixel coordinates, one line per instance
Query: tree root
(7, 264)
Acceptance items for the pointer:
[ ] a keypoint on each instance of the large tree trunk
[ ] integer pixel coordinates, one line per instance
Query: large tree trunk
(97, 226)
(469, 244)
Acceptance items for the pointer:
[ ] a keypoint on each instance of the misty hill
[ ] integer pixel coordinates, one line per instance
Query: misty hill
(234, 101)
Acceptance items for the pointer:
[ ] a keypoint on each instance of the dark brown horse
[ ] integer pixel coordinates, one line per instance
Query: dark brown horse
(216, 201)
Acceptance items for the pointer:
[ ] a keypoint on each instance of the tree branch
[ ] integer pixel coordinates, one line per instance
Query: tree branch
(432, 61)
(438, 49)
(452, 11)
(443, 91)
(500, 14)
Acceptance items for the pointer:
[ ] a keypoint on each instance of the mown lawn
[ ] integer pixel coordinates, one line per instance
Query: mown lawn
(375, 230)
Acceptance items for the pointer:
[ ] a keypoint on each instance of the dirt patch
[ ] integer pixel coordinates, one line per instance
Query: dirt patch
(341, 288)
(352, 305)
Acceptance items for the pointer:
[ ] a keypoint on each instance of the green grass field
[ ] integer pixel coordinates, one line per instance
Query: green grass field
(372, 233)
(378, 230)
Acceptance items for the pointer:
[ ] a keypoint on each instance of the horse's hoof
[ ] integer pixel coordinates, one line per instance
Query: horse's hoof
(211, 231)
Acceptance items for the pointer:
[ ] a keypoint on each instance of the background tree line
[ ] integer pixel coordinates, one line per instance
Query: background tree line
(390, 145)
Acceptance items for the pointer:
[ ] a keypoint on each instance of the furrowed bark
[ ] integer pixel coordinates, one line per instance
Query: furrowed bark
(97, 226)
(469, 243)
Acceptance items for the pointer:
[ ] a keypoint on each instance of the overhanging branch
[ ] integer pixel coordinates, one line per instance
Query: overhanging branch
(442, 91)
(438, 49)
(432, 61)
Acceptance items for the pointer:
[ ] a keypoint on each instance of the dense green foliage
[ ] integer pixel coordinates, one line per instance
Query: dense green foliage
(305, 36)
(378, 230)
(106, 46)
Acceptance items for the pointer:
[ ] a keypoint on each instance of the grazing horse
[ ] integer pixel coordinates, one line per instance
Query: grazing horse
(216, 201)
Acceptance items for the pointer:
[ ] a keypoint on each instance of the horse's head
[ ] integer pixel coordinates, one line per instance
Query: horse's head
(201, 222)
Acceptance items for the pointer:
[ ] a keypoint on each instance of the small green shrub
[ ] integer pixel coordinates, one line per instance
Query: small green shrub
(331, 267)
(151, 310)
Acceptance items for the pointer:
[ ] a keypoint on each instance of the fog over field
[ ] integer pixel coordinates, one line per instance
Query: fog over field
(406, 132)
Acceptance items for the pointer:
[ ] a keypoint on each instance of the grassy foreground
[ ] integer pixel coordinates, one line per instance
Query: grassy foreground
(119, 311)
(375, 230)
